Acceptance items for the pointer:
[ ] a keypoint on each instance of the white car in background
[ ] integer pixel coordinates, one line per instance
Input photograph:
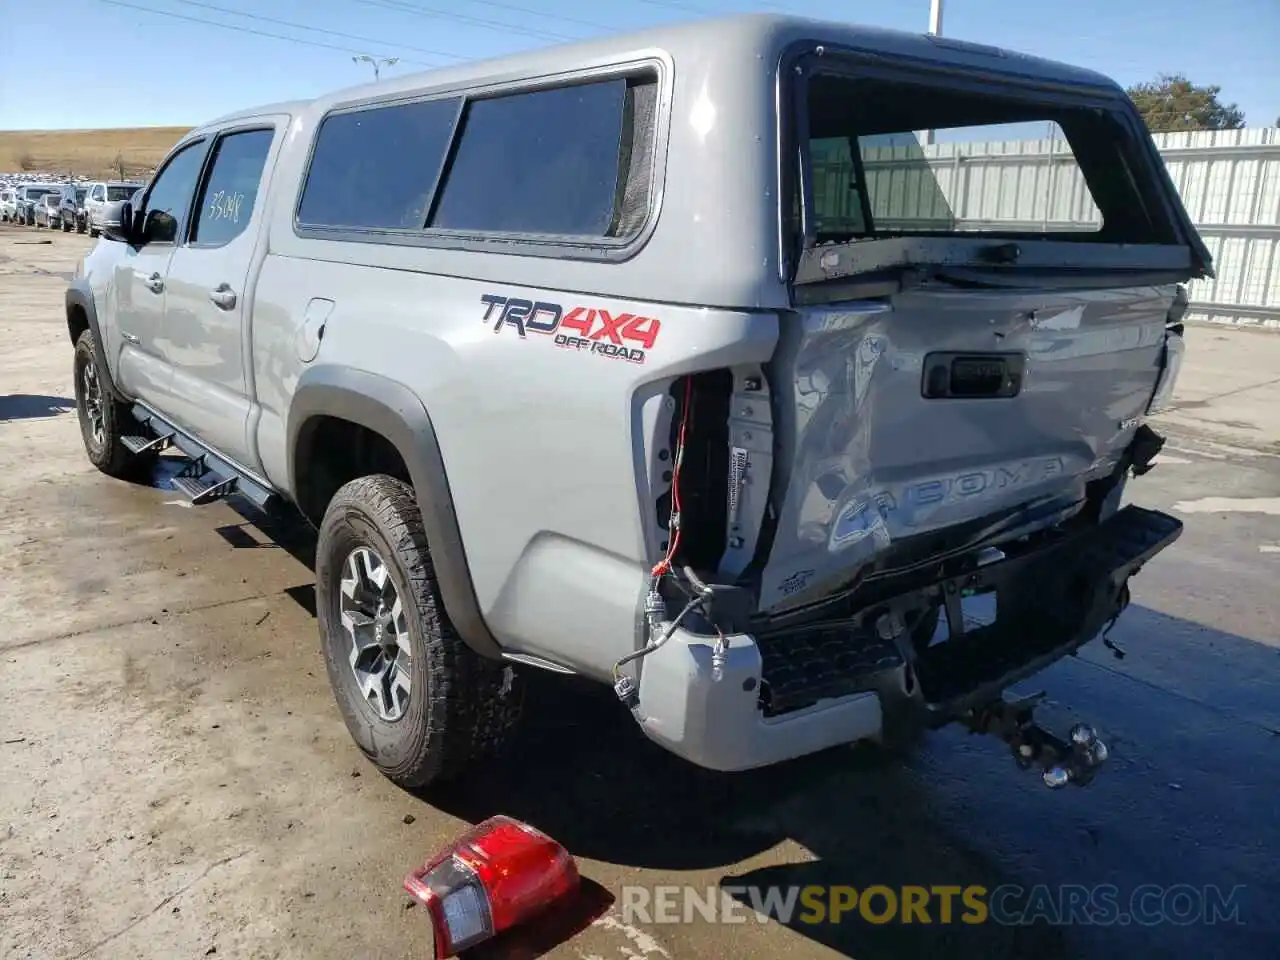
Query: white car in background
(103, 201)
(8, 204)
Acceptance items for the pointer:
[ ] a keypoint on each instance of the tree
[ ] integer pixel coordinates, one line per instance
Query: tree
(1171, 102)
(26, 162)
(118, 164)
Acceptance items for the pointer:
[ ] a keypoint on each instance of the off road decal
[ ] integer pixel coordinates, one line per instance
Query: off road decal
(620, 336)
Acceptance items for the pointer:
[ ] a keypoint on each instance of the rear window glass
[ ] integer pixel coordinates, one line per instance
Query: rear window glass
(377, 168)
(120, 193)
(544, 162)
(995, 165)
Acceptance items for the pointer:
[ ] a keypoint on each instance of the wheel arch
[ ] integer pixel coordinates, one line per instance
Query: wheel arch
(393, 412)
(83, 315)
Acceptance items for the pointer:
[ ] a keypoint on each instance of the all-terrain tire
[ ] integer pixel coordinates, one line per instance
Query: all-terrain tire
(105, 450)
(461, 705)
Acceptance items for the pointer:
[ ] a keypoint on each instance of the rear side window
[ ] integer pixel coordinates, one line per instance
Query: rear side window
(571, 161)
(231, 188)
(541, 162)
(377, 168)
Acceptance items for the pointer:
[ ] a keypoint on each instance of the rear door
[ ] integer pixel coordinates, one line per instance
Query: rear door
(205, 335)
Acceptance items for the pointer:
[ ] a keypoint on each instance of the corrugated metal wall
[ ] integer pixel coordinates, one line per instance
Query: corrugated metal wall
(1229, 181)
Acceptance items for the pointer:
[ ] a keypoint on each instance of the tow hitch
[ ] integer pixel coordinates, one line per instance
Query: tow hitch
(1074, 757)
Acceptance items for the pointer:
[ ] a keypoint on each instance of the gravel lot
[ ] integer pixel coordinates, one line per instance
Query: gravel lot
(175, 780)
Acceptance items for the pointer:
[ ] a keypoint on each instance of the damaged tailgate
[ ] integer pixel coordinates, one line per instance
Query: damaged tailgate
(948, 378)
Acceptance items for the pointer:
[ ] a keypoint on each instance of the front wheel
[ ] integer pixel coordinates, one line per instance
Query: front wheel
(102, 417)
(416, 699)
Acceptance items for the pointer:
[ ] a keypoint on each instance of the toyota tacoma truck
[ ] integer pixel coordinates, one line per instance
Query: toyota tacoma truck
(708, 362)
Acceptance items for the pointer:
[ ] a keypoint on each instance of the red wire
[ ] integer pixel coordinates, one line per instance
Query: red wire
(674, 544)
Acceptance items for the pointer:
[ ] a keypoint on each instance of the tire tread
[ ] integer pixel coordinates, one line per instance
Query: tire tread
(473, 701)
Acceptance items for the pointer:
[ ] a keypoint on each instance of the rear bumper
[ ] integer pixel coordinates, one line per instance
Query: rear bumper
(782, 696)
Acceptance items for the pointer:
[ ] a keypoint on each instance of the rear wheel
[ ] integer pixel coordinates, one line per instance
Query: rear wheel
(102, 417)
(416, 699)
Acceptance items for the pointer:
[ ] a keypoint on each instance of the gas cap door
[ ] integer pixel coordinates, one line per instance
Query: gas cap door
(311, 332)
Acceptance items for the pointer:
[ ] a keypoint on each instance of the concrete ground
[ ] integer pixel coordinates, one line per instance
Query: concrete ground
(175, 780)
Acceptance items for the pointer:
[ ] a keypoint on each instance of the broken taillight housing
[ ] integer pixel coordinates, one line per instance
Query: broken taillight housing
(497, 875)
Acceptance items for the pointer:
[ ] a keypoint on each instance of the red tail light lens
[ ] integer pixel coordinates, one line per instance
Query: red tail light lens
(497, 875)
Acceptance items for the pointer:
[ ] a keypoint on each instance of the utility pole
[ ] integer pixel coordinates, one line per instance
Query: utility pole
(935, 29)
(377, 63)
(935, 17)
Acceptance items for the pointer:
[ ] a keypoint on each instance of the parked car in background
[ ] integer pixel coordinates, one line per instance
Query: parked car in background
(103, 200)
(71, 207)
(29, 195)
(8, 204)
(48, 211)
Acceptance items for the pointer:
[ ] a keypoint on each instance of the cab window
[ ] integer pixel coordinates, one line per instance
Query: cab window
(231, 188)
(169, 200)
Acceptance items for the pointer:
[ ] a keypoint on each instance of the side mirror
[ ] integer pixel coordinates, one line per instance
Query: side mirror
(121, 231)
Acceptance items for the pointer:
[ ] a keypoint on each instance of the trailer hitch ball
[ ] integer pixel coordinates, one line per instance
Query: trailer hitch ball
(1086, 755)
(1085, 738)
(1056, 776)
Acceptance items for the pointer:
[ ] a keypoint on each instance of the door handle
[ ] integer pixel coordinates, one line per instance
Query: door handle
(131, 338)
(223, 296)
(154, 283)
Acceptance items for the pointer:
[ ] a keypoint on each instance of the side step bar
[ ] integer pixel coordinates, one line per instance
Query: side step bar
(137, 445)
(205, 488)
(207, 476)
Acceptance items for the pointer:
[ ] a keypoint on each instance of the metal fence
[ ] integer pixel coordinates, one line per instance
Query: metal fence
(1229, 181)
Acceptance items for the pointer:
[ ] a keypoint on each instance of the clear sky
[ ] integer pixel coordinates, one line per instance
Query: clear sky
(105, 63)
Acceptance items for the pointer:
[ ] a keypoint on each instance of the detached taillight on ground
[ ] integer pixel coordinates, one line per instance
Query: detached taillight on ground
(497, 875)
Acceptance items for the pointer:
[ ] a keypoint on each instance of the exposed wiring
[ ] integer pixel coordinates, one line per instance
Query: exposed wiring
(655, 606)
(673, 524)
(655, 644)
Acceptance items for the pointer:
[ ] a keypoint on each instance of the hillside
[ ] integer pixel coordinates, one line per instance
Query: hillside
(90, 153)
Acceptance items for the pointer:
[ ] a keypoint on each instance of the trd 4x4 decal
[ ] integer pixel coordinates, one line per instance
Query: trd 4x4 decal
(622, 336)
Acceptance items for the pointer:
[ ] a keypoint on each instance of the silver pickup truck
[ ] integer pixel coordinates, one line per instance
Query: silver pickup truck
(693, 361)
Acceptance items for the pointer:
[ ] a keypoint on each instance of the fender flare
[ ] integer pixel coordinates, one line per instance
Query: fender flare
(79, 295)
(394, 411)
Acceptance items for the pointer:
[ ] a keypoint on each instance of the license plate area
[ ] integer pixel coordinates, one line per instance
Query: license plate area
(972, 375)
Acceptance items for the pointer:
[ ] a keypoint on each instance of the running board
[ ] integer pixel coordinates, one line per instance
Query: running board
(205, 488)
(137, 445)
(208, 476)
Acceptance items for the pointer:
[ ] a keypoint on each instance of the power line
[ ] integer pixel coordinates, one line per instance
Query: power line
(705, 11)
(682, 7)
(543, 13)
(432, 13)
(241, 29)
(331, 33)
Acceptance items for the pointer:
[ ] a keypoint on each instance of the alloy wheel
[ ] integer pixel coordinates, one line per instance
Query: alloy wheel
(374, 620)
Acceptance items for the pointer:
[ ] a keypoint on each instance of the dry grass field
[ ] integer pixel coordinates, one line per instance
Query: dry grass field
(94, 153)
